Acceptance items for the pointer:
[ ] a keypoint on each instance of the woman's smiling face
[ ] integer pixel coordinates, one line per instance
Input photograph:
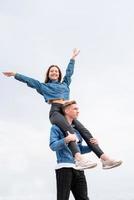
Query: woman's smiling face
(53, 73)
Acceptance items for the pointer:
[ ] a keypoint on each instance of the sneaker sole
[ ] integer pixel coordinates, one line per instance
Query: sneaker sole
(113, 166)
(89, 167)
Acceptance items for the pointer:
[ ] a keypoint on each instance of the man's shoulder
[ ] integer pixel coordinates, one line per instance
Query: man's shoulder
(55, 128)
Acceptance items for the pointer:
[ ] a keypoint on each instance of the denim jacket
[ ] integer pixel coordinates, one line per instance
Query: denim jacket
(52, 89)
(57, 143)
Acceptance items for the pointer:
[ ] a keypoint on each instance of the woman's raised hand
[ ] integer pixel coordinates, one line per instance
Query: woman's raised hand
(75, 53)
(9, 74)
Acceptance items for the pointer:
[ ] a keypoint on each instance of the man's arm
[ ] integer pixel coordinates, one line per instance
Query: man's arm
(56, 142)
(86, 149)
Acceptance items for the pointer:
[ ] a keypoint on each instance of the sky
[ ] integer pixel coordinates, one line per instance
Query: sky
(35, 34)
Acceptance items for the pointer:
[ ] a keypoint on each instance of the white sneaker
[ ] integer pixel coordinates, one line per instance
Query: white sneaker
(108, 164)
(84, 164)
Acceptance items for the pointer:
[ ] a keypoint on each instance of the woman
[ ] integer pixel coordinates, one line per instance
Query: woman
(56, 93)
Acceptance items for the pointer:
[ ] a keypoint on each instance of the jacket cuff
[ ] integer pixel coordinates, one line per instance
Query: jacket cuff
(72, 60)
(16, 76)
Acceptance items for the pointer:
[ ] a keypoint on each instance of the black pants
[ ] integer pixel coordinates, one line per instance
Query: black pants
(69, 179)
(56, 117)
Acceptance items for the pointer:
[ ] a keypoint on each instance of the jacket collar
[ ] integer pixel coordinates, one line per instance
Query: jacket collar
(53, 81)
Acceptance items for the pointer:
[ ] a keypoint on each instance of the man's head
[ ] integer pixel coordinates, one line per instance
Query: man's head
(70, 109)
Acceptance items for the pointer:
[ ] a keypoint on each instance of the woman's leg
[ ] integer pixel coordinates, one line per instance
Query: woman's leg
(86, 135)
(58, 119)
(107, 162)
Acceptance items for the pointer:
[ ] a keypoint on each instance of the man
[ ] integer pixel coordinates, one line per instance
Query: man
(68, 176)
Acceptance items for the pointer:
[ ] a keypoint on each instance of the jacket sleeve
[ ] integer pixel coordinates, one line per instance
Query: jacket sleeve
(84, 149)
(69, 72)
(56, 142)
(29, 81)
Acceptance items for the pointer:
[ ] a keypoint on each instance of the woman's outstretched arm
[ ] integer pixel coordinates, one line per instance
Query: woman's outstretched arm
(33, 83)
(70, 67)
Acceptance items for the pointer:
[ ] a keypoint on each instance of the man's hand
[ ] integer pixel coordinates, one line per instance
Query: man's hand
(75, 53)
(93, 141)
(70, 138)
(9, 74)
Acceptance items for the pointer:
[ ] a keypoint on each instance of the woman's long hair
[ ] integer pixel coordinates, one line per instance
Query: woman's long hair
(47, 79)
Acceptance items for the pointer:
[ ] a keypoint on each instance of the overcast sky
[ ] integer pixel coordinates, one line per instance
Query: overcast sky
(35, 34)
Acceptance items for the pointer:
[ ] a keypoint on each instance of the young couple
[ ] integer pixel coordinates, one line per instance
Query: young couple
(56, 91)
